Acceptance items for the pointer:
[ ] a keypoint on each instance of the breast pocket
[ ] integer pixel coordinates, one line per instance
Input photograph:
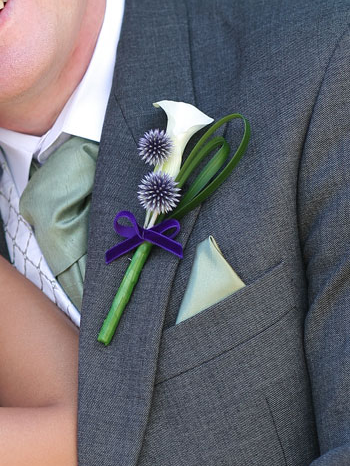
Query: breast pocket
(227, 324)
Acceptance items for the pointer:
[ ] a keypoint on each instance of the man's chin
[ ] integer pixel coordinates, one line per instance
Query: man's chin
(5, 11)
(2, 4)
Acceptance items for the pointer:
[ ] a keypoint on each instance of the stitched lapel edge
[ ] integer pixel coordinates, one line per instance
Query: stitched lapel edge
(127, 367)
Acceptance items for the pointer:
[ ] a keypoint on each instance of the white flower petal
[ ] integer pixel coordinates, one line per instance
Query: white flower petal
(184, 120)
(183, 117)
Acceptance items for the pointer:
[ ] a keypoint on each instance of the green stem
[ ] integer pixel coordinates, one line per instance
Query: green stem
(124, 293)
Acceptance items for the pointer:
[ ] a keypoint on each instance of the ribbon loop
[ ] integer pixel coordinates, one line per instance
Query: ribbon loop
(136, 235)
(122, 230)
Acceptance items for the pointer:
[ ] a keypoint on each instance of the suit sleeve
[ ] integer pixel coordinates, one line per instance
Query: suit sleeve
(324, 222)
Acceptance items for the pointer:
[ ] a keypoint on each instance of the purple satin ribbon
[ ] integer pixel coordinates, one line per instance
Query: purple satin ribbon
(136, 235)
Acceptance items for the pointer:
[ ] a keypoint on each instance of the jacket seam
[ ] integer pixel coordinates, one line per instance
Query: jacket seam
(329, 63)
(307, 131)
(276, 430)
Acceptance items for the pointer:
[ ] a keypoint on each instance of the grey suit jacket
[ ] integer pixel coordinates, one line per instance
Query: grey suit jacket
(263, 377)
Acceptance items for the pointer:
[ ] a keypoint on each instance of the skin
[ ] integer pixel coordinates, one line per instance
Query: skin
(45, 49)
(38, 376)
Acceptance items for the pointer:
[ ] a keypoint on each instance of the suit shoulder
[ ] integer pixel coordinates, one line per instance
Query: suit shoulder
(309, 27)
(322, 16)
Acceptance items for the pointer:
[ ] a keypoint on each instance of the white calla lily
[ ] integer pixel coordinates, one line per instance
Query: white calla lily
(184, 120)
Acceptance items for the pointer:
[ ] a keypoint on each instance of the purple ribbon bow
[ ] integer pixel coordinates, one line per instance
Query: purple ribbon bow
(136, 235)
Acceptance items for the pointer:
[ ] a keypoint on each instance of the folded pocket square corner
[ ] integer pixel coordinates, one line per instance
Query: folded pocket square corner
(211, 280)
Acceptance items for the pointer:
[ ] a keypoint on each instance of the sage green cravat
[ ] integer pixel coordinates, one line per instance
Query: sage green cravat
(56, 202)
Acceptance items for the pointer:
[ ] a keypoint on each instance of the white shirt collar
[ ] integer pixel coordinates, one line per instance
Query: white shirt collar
(83, 114)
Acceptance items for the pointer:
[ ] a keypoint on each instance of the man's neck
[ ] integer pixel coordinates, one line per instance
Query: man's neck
(35, 113)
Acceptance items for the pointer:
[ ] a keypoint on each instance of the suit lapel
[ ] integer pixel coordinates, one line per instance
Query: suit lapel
(116, 382)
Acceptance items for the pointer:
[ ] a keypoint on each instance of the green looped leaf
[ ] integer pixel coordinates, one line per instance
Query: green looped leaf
(205, 183)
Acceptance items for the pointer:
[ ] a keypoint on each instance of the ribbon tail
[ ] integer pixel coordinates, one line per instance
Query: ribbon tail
(122, 248)
(164, 242)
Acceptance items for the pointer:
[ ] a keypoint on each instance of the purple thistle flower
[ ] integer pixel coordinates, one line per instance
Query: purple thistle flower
(158, 192)
(155, 147)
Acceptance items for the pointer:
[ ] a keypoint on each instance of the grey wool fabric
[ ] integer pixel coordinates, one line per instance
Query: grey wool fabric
(263, 377)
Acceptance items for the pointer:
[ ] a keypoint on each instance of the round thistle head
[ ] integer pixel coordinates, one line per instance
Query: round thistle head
(155, 147)
(158, 192)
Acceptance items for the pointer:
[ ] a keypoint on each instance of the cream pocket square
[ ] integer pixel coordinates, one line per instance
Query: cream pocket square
(212, 279)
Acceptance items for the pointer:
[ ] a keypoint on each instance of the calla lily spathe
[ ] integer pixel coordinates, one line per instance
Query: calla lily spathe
(184, 120)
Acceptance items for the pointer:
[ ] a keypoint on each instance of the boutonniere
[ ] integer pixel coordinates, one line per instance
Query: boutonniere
(162, 194)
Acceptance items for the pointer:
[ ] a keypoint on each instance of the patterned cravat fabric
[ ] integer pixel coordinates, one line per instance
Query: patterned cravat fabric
(24, 250)
(56, 202)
